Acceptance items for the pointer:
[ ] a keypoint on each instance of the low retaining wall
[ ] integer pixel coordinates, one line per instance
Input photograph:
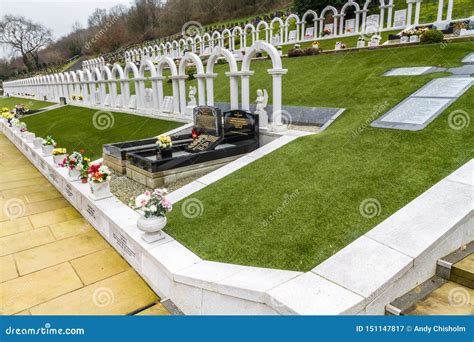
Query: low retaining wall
(388, 261)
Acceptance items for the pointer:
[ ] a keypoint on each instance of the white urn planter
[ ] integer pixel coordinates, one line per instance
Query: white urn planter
(38, 143)
(404, 40)
(414, 39)
(361, 43)
(152, 227)
(58, 159)
(99, 190)
(47, 150)
(74, 175)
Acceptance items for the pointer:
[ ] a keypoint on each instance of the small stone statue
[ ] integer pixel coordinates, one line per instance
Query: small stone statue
(262, 102)
(192, 96)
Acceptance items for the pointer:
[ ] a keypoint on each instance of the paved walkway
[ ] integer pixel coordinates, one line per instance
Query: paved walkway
(52, 262)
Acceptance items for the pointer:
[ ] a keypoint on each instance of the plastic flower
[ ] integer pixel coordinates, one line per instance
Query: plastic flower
(164, 141)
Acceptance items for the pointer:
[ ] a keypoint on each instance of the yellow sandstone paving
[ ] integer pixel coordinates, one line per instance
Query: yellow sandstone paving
(51, 251)
(53, 217)
(70, 228)
(156, 310)
(19, 225)
(60, 251)
(121, 294)
(7, 268)
(21, 241)
(98, 266)
(24, 292)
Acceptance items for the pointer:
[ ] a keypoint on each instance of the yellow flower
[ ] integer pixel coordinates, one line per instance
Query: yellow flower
(59, 151)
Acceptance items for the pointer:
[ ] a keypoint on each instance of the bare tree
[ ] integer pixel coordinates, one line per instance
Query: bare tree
(24, 37)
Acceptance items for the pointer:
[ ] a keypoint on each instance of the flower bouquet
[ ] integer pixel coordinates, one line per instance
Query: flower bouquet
(164, 145)
(152, 206)
(48, 146)
(74, 163)
(99, 179)
(59, 154)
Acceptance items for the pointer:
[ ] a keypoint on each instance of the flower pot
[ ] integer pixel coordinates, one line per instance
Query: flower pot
(404, 39)
(38, 143)
(30, 137)
(58, 159)
(99, 190)
(166, 153)
(74, 175)
(414, 39)
(361, 43)
(152, 227)
(47, 150)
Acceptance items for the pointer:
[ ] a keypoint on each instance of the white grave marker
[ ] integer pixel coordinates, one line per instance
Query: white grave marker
(400, 18)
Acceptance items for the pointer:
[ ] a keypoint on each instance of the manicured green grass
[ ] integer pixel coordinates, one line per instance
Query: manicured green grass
(10, 102)
(75, 128)
(296, 207)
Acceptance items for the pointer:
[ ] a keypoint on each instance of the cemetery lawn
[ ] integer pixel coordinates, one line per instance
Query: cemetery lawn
(296, 207)
(73, 128)
(10, 102)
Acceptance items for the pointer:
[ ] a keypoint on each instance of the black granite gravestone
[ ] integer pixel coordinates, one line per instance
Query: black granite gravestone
(240, 123)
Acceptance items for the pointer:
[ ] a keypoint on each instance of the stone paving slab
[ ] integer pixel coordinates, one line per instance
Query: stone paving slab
(469, 58)
(412, 71)
(445, 87)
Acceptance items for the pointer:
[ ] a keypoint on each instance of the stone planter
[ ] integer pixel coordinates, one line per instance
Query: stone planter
(58, 159)
(99, 190)
(404, 40)
(361, 43)
(38, 143)
(414, 39)
(152, 227)
(74, 175)
(30, 137)
(47, 150)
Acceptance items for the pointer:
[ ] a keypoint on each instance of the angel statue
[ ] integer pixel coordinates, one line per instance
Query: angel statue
(192, 96)
(262, 102)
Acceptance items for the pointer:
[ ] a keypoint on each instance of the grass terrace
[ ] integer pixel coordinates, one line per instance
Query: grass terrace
(10, 102)
(77, 128)
(298, 206)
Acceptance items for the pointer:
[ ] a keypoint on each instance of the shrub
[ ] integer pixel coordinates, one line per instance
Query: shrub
(432, 36)
(295, 52)
(311, 51)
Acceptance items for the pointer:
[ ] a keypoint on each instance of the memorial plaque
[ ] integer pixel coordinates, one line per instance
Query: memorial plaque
(350, 25)
(204, 142)
(208, 120)
(309, 33)
(54, 177)
(410, 71)
(126, 247)
(292, 36)
(72, 195)
(445, 87)
(372, 23)
(132, 103)
(400, 18)
(241, 123)
(167, 104)
(329, 27)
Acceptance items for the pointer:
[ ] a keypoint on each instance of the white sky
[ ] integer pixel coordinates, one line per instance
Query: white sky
(57, 15)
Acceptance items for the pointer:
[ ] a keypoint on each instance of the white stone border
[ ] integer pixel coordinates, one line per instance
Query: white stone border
(362, 278)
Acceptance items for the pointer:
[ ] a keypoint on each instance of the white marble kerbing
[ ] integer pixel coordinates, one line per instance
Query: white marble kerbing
(365, 267)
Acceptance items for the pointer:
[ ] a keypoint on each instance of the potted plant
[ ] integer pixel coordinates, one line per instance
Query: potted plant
(58, 156)
(152, 206)
(164, 144)
(74, 164)
(361, 42)
(85, 170)
(99, 181)
(48, 146)
(15, 124)
(23, 129)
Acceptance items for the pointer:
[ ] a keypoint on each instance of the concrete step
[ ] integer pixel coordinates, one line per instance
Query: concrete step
(449, 292)
(463, 272)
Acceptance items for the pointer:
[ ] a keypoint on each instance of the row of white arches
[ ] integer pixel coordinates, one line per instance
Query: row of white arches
(100, 87)
(278, 32)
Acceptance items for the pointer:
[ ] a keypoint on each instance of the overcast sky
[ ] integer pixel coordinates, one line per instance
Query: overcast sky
(57, 15)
